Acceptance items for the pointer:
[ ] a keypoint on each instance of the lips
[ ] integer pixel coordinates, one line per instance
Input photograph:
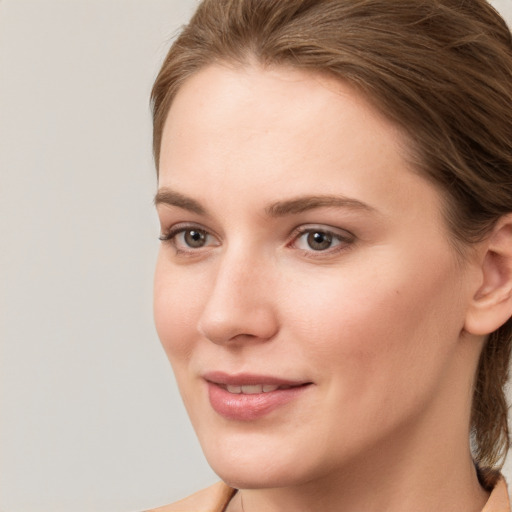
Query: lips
(246, 397)
(254, 389)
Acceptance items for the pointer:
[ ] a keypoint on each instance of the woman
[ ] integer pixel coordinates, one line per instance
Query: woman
(334, 285)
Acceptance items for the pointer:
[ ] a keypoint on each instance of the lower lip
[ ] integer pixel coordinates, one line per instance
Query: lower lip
(241, 407)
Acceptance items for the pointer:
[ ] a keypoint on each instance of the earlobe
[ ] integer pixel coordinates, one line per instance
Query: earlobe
(491, 304)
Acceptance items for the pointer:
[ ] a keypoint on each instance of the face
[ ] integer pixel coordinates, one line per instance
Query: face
(306, 291)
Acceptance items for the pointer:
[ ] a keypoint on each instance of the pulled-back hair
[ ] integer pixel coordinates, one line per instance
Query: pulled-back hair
(440, 69)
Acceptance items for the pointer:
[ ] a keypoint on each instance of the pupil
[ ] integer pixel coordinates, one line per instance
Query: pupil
(195, 238)
(319, 241)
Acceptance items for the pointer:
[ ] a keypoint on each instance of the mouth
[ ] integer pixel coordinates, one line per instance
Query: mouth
(251, 384)
(255, 389)
(245, 397)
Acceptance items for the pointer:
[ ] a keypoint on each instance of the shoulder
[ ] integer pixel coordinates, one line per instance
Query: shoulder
(211, 499)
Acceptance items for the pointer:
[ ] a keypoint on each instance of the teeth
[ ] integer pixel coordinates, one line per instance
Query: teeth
(253, 389)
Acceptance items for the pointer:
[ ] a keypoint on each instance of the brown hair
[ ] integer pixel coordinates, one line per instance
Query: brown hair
(440, 69)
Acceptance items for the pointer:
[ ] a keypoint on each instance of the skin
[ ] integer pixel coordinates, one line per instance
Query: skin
(376, 322)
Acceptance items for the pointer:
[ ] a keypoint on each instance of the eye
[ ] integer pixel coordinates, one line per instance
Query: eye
(318, 240)
(188, 238)
(321, 239)
(194, 238)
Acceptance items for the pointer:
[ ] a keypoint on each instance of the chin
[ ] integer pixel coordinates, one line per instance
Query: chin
(245, 463)
(256, 476)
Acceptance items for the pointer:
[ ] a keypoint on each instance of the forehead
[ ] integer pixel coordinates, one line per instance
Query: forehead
(283, 129)
(266, 98)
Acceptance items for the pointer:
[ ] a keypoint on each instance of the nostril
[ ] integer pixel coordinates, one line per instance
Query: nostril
(239, 328)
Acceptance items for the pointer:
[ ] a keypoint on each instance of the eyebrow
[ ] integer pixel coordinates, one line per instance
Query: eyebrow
(170, 197)
(305, 203)
(278, 209)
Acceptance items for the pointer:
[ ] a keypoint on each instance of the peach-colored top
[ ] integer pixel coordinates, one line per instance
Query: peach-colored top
(217, 497)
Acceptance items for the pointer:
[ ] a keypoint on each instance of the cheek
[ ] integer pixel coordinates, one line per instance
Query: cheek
(176, 306)
(377, 329)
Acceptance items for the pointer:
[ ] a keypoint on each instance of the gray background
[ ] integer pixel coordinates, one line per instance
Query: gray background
(90, 419)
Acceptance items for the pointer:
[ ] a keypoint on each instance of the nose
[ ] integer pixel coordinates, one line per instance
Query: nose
(240, 307)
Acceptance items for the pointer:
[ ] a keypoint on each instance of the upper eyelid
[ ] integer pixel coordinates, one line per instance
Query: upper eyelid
(183, 226)
(307, 228)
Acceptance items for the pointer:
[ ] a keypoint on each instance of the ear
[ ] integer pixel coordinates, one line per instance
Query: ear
(491, 304)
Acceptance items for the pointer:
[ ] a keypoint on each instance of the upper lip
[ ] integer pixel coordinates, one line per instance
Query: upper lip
(248, 379)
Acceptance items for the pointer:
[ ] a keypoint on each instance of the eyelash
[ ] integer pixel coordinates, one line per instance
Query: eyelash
(169, 237)
(344, 240)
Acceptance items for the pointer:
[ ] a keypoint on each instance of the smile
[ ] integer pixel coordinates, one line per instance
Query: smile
(250, 397)
(254, 389)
